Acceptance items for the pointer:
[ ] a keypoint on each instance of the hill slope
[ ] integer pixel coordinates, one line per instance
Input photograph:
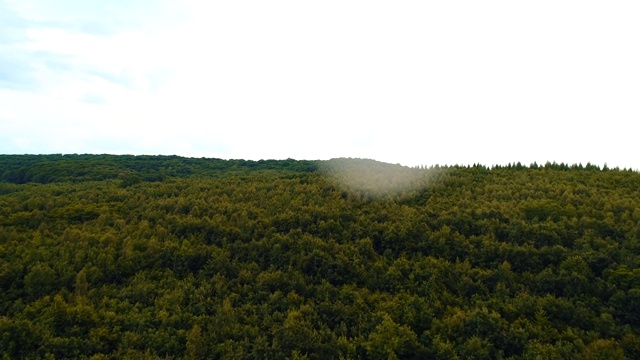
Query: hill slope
(118, 256)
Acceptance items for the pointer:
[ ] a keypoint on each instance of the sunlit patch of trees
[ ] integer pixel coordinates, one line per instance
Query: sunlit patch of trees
(114, 257)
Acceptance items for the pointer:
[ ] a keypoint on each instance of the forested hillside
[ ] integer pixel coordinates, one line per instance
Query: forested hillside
(109, 257)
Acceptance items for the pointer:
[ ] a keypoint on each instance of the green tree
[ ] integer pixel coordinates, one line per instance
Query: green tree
(392, 341)
(603, 349)
(81, 284)
(40, 280)
(196, 345)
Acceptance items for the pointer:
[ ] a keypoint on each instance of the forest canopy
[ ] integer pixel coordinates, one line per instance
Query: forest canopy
(118, 256)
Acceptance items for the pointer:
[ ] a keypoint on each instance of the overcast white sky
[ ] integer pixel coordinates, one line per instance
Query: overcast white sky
(410, 82)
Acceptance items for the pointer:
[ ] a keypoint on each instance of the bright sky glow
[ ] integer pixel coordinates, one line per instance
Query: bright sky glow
(409, 82)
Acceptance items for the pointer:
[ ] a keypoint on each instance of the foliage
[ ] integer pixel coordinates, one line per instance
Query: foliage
(166, 257)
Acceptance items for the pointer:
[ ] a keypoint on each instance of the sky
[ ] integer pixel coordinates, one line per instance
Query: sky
(408, 82)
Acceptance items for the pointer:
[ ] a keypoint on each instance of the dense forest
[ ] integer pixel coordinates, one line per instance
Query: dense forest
(145, 257)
